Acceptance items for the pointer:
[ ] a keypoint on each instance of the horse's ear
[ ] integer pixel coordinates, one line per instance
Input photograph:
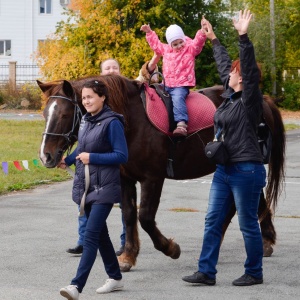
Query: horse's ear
(68, 89)
(43, 86)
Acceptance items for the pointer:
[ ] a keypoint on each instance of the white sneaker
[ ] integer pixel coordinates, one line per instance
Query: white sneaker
(110, 286)
(70, 292)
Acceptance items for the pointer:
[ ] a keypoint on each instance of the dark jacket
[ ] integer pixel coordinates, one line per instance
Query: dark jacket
(94, 138)
(240, 114)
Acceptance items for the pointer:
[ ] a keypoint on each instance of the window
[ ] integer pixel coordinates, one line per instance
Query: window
(5, 48)
(45, 6)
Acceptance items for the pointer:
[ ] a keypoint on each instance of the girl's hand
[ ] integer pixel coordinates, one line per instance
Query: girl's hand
(146, 28)
(242, 24)
(207, 29)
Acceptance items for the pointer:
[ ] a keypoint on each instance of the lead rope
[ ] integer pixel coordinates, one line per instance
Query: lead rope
(87, 184)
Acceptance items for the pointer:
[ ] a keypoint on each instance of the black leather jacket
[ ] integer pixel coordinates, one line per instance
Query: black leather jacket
(240, 113)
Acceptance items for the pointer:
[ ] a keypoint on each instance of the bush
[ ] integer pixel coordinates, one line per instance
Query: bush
(291, 94)
(27, 91)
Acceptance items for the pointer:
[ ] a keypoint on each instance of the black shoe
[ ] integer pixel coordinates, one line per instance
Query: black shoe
(199, 277)
(76, 250)
(120, 251)
(246, 280)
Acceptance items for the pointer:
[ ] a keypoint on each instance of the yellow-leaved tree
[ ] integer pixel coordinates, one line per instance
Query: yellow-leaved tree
(100, 29)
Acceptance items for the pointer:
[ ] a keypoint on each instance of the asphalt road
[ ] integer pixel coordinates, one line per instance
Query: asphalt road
(37, 226)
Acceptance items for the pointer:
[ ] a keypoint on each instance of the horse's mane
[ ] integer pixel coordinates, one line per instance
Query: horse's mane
(117, 91)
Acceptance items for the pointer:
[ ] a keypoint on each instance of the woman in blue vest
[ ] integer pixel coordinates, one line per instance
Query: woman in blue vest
(101, 149)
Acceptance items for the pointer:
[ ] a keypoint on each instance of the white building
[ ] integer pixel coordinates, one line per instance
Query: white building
(25, 23)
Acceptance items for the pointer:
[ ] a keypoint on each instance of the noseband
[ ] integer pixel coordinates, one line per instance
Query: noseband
(76, 120)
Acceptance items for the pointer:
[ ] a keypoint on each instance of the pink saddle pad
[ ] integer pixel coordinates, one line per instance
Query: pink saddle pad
(200, 111)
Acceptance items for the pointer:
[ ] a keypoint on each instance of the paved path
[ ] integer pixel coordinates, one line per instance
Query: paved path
(20, 115)
(38, 225)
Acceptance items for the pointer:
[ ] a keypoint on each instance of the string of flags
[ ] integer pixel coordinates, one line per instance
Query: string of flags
(20, 165)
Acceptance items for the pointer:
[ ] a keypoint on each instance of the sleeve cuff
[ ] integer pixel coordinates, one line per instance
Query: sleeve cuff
(244, 37)
(216, 42)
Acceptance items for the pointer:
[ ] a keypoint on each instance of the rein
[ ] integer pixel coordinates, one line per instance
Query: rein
(77, 116)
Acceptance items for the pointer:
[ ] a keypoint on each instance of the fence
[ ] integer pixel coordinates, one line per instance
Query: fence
(14, 74)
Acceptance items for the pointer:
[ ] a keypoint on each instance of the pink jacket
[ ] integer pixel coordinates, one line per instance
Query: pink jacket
(178, 66)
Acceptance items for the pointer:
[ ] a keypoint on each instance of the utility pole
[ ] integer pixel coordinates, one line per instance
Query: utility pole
(273, 47)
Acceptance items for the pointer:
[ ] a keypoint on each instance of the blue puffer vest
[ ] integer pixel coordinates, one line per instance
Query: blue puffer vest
(105, 184)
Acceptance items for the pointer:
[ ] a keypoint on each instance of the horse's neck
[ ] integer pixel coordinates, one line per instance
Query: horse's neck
(214, 94)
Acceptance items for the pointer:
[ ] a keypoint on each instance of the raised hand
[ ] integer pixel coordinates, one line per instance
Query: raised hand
(207, 29)
(242, 24)
(146, 28)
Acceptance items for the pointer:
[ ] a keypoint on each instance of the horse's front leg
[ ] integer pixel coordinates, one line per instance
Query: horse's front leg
(129, 211)
(150, 199)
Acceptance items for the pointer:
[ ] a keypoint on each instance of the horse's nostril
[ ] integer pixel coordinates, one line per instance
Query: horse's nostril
(48, 157)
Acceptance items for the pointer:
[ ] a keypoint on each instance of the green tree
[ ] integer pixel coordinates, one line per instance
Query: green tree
(287, 37)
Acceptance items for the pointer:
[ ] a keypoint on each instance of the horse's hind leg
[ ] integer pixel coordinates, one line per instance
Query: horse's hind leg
(267, 227)
(129, 211)
(150, 198)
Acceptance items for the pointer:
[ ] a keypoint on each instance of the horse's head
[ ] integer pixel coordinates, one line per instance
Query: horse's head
(62, 115)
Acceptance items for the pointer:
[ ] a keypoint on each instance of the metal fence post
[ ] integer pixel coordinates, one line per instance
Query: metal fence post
(12, 75)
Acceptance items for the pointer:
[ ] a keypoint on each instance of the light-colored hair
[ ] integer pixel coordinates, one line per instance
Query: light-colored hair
(101, 64)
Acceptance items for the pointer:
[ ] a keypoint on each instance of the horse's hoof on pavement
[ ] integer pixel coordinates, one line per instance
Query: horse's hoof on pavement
(125, 267)
(174, 250)
(268, 249)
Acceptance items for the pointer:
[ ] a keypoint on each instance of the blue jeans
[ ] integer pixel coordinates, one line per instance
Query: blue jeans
(179, 95)
(97, 237)
(239, 183)
(82, 224)
(82, 220)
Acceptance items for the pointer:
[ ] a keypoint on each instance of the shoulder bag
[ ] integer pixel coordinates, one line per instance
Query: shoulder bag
(216, 150)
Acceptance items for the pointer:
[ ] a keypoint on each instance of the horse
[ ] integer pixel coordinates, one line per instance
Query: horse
(149, 151)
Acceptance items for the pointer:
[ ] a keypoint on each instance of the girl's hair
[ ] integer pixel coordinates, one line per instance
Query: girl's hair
(237, 65)
(98, 87)
(101, 64)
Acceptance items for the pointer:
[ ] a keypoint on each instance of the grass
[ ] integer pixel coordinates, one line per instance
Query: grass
(20, 140)
(291, 126)
(183, 209)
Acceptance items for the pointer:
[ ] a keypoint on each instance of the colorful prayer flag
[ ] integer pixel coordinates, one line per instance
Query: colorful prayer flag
(17, 165)
(5, 167)
(25, 164)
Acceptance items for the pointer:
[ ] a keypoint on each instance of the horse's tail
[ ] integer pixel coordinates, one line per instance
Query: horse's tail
(277, 158)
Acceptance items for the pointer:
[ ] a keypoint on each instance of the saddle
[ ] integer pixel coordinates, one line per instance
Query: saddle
(159, 109)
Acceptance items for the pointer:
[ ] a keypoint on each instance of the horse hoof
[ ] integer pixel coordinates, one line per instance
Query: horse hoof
(174, 250)
(268, 249)
(124, 264)
(125, 267)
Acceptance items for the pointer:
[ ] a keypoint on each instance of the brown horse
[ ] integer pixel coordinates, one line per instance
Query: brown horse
(148, 157)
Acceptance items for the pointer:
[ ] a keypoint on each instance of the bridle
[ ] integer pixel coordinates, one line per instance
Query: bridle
(71, 135)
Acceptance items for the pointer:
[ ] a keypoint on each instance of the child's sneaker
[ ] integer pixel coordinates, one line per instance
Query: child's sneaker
(110, 286)
(180, 130)
(70, 292)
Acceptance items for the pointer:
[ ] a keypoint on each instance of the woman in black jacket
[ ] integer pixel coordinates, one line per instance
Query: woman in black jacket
(242, 178)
